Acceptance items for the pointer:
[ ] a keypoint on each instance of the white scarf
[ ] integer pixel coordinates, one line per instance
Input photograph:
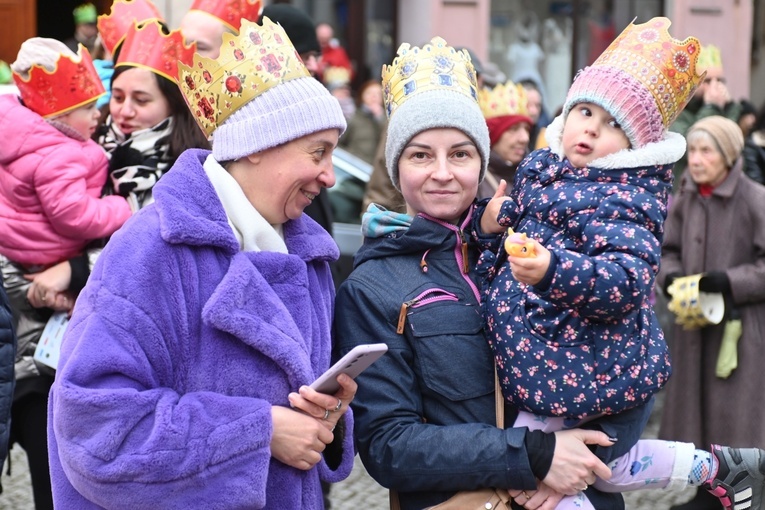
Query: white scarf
(251, 229)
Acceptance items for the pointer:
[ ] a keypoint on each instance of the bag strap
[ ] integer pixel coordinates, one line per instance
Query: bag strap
(499, 410)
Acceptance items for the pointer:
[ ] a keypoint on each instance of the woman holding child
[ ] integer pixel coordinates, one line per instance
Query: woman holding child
(425, 412)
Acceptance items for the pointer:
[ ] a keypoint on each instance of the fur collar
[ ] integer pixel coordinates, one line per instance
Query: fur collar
(666, 151)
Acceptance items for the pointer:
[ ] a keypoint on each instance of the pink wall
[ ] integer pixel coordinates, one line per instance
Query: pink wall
(459, 22)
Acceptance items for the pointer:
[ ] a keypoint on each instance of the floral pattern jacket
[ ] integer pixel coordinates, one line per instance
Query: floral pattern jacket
(586, 341)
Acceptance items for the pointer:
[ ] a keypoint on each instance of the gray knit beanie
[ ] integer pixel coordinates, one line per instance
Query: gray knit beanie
(435, 109)
(289, 111)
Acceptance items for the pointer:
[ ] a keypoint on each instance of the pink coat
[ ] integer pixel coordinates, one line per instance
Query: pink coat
(50, 189)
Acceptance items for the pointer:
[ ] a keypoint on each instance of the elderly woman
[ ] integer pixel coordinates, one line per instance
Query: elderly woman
(183, 373)
(716, 227)
(425, 412)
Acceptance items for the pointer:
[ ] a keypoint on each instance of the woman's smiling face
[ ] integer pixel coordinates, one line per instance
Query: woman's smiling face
(438, 173)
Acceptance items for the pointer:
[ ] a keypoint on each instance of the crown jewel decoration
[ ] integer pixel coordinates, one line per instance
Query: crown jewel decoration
(149, 47)
(230, 12)
(258, 59)
(74, 82)
(667, 67)
(709, 57)
(504, 99)
(435, 66)
(112, 27)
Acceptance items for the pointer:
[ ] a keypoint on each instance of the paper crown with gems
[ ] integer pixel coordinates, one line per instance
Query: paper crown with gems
(709, 57)
(230, 12)
(504, 99)
(113, 27)
(644, 79)
(435, 66)
(149, 47)
(256, 60)
(74, 82)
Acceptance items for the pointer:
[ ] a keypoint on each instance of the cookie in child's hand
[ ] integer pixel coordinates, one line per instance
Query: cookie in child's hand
(518, 245)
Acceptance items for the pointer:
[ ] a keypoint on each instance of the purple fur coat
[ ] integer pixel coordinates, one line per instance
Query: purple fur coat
(179, 346)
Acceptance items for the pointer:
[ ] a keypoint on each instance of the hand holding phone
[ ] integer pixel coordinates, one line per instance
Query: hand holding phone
(352, 364)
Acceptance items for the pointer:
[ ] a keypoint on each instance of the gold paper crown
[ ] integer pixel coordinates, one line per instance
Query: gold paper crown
(709, 57)
(256, 60)
(230, 12)
(504, 99)
(113, 27)
(148, 46)
(665, 66)
(337, 75)
(435, 66)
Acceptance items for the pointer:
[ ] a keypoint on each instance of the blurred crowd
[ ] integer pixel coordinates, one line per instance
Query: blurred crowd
(104, 115)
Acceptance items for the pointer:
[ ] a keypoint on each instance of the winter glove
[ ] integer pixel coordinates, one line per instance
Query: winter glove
(727, 359)
(671, 277)
(715, 281)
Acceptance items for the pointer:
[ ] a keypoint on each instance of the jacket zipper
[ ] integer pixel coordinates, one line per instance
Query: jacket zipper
(461, 249)
(427, 297)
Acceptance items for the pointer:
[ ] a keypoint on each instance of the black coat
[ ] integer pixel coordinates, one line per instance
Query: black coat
(7, 358)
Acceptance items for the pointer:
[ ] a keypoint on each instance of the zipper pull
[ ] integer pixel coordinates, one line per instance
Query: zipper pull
(465, 268)
(402, 318)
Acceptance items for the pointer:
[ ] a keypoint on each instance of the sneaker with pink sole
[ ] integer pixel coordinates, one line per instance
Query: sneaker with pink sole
(740, 477)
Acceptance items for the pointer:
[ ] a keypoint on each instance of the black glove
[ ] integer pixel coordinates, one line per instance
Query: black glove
(715, 281)
(671, 277)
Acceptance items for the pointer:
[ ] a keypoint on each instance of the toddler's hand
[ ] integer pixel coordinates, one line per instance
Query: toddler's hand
(531, 270)
(489, 223)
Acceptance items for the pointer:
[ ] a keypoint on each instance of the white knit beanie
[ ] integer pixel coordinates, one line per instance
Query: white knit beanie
(39, 51)
(435, 109)
(286, 112)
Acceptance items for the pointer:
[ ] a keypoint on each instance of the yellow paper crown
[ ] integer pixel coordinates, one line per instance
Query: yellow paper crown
(709, 57)
(504, 99)
(256, 60)
(337, 75)
(666, 66)
(435, 66)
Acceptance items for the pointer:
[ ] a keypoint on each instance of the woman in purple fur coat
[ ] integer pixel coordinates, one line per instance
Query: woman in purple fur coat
(182, 380)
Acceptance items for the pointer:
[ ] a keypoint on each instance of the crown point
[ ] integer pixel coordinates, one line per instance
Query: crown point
(262, 57)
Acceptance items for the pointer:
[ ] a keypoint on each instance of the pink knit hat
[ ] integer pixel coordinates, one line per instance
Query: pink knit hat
(644, 79)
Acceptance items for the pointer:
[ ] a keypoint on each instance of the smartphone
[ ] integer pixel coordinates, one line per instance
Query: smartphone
(352, 364)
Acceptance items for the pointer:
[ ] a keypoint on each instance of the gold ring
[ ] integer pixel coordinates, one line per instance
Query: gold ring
(586, 486)
(339, 405)
(526, 495)
(326, 414)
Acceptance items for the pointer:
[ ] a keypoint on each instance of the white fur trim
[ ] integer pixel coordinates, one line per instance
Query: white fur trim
(666, 151)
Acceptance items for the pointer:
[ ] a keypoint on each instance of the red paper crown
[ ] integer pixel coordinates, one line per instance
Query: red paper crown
(148, 47)
(74, 82)
(230, 12)
(112, 27)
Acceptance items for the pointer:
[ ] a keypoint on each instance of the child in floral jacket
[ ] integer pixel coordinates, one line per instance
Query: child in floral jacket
(573, 331)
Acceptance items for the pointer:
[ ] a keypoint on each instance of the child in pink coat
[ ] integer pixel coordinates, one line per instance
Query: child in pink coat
(51, 174)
